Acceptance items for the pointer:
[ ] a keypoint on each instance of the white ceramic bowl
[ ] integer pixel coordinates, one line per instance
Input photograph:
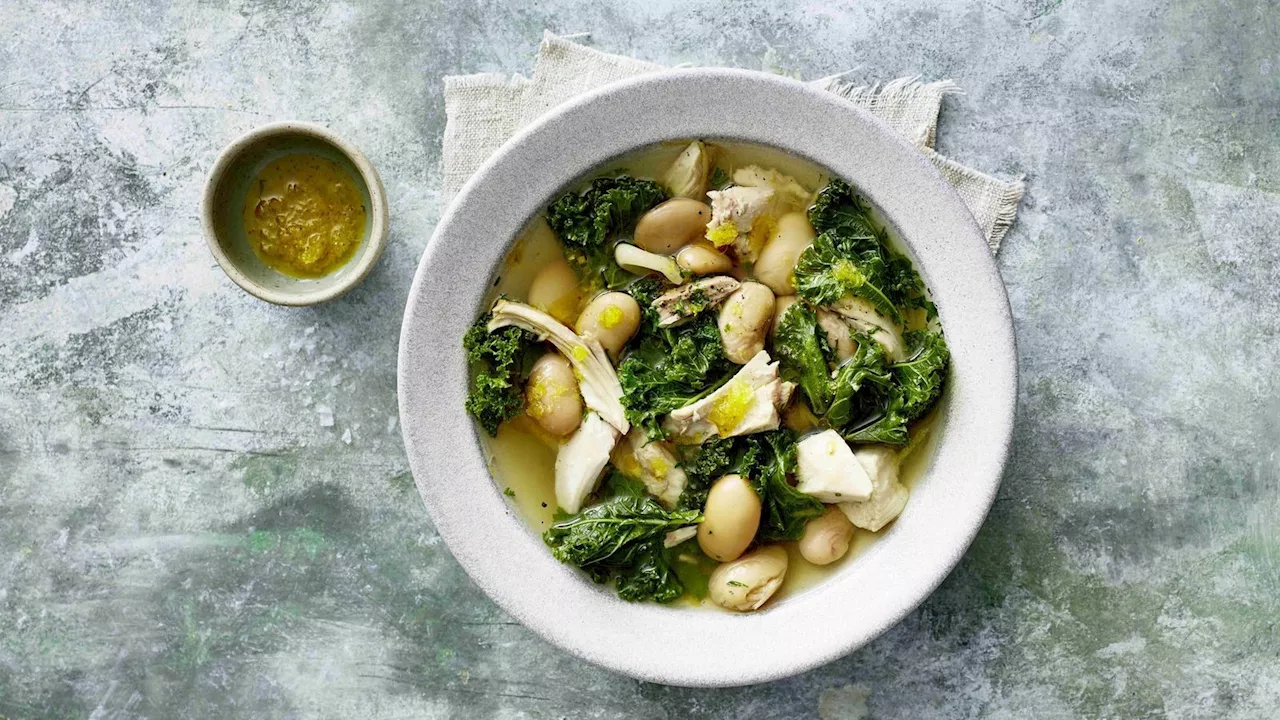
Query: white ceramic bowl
(683, 646)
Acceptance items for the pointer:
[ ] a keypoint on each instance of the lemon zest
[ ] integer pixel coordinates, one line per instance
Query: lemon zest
(723, 234)
(728, 410)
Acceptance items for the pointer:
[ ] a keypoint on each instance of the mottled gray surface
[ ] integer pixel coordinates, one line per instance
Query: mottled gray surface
(184, 533)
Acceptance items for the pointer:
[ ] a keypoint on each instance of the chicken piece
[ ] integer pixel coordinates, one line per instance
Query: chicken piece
(687, 176)
(827, 469)
(864, 317)
(734, 213)
(581, 461)
(749, 403)
(788, 193)
(597, 380)
(654, 464)
(888, 496)
(837, 331)
(679, 304)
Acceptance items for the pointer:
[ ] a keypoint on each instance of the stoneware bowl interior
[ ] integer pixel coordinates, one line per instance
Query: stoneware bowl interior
(229, 182)
(677, 645)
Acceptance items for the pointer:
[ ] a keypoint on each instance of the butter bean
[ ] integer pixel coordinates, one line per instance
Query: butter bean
(672, 225)
(743, 319)
(731, 517)
(611, 318)
(748, 582)
(551, 395)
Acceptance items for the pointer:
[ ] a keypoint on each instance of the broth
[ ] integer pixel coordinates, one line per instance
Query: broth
(522, 456)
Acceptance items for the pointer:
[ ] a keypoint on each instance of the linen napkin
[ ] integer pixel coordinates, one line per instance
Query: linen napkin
(483, 110)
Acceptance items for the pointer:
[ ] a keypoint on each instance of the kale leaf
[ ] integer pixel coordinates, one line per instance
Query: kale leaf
(801, 350)
(922, 377)
(838, 208)
(839, 264)
(717, 457)
(860, 383)
(588, 223)
(766, 460)
(621, 539)
(499, 362)
(650, 576)
(669, 368)
(916, 385)
(786, 510)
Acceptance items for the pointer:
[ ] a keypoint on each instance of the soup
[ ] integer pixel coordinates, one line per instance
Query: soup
(706, 375)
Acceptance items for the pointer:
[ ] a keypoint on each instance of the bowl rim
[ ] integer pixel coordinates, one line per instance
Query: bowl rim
(502, 554)
(378, 211)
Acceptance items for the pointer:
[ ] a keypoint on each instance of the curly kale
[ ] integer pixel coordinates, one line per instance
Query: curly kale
(923, 375)
(859, 260)
(621, 539)
(786, 509)
(717, 457)
(499, 361)
(589, 222)
(669, 368)
(801, 350)
(838, 264)
(838, 208)
(860, 384)
(766, 460)
(914, 388)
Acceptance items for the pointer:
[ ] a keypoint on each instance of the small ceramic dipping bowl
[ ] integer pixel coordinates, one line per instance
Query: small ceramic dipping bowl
(224, 197)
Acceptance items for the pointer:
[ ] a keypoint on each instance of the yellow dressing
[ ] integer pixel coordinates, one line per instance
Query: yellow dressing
(542, 396)
(304, 215)
(610, 317)
(728, 410)
(723, 234)
(845, 271)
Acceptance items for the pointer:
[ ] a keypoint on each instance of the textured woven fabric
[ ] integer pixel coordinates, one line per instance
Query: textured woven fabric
(482, 111)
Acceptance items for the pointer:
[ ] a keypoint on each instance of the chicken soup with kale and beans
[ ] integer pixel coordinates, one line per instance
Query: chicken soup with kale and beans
(706, 375)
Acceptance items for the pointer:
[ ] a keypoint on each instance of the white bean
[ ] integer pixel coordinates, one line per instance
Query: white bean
(702, 258)
(554, 290)
(551, 395)
(731, 517)
(612, 318)
(777, 262)
(826, 538)
(748, 582)
(744, 317)
(672, 225)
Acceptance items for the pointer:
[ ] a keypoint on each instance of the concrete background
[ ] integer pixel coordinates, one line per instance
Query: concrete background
(204, 504)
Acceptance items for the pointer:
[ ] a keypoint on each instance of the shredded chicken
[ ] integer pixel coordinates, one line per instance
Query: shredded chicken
(598, 382)
(888, 495)
(580, 461)
(654, 464)
(788, 193)
(827, 469)
(679, 304)
(734, 212)
(749, 403)
(863, 316)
